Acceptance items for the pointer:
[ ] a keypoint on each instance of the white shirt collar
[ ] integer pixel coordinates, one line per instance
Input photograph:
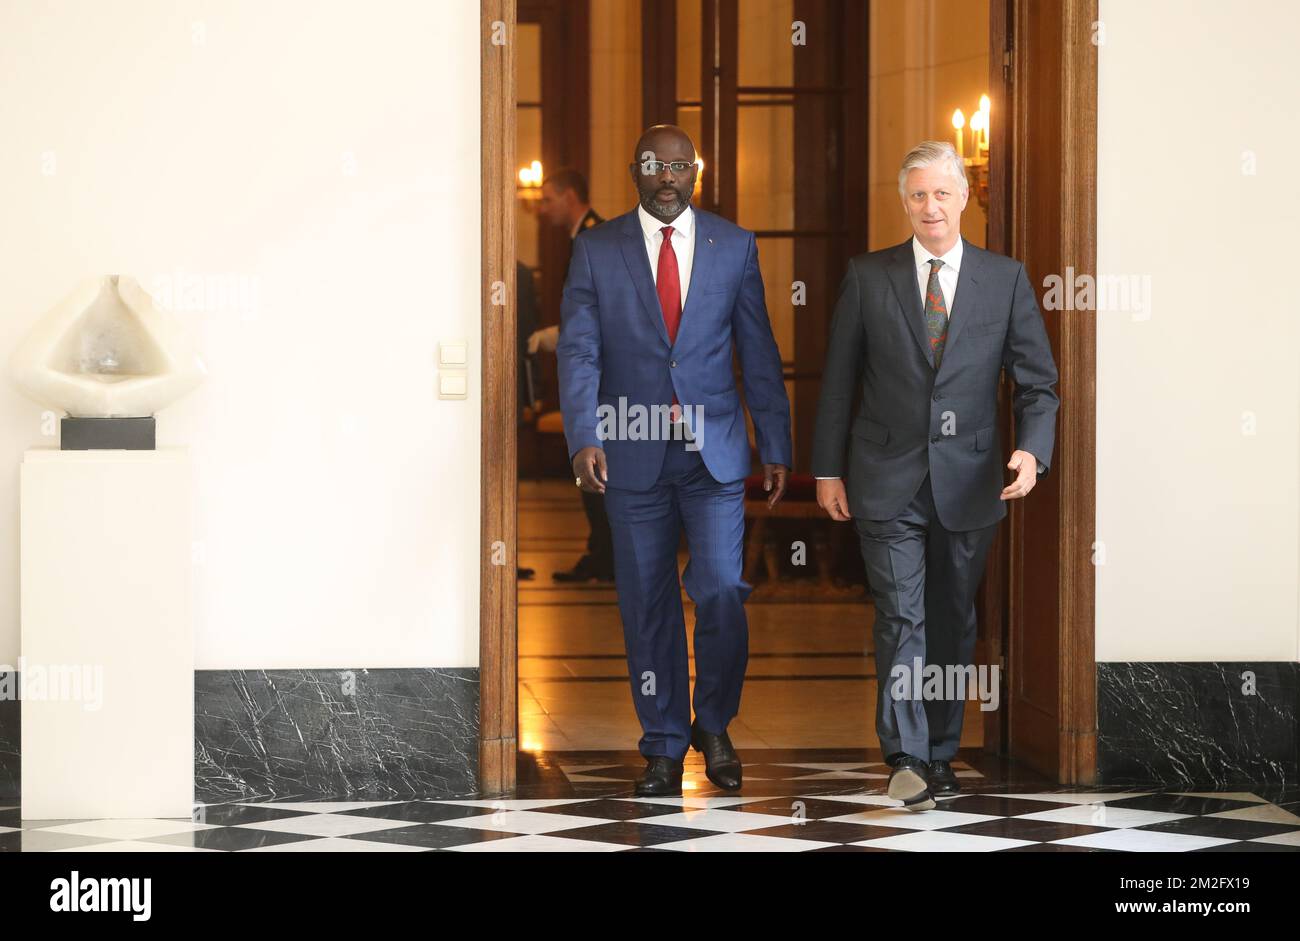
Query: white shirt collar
(951, 259)
(683, 225)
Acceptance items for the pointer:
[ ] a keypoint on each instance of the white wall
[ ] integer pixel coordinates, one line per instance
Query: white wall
(324, 156)
(1198, 511)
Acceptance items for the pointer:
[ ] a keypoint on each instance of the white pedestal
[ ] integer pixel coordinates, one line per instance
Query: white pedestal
(106, 615)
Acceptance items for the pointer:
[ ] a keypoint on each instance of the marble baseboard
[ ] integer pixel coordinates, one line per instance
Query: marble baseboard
(387, 734)
(10, 734)
(1195, 725)
(390, 734)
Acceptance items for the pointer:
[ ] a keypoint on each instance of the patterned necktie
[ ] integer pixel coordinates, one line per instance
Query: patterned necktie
(668, 285)
(936, 312)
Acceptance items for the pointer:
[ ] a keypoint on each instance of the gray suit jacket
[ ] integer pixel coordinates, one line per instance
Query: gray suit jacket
(912, 418)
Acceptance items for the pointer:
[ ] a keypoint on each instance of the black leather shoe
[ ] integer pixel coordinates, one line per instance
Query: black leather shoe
(584, 570)
(909, 782)
(721, 764)
(662, 778)
(943, 781)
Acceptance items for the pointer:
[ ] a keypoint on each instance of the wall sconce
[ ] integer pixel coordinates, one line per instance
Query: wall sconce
(976, 156)
(529, 187)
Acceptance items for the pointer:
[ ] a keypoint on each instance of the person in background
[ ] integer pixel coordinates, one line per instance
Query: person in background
(564, 204)
(525, 327)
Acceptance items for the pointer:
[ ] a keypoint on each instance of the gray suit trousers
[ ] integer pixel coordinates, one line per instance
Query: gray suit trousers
(923, 579)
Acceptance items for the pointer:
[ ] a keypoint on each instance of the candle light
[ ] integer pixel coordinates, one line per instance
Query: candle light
(531, 175)
(959, 122)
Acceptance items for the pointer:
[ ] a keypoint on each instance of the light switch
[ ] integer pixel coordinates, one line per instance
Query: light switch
(453, 353)
(452, 385)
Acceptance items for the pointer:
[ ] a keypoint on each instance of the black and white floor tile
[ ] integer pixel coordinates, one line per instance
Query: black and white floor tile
(583, 804)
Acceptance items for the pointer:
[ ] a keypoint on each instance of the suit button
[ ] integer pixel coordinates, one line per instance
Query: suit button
(672, 364)
(935, 439)
(938, 396)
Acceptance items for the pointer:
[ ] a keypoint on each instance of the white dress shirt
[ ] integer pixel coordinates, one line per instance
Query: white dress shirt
(683, 244)
(947, 274)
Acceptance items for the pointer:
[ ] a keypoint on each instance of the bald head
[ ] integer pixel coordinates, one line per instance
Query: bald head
(663, 169)
(664, 142)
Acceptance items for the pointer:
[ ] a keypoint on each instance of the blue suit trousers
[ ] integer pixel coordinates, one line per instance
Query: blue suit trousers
(646, 527)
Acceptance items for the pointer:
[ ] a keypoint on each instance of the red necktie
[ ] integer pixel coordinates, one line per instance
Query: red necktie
(668, 284)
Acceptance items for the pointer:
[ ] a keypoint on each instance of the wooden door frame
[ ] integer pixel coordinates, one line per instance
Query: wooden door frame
(1073, 471)
(498, 456)
(1077, 740)
(1051, 225)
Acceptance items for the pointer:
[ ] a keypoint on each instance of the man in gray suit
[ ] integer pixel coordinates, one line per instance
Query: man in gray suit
(921, 334)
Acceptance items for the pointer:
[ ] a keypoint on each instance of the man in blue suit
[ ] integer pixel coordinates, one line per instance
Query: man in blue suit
(654, 303)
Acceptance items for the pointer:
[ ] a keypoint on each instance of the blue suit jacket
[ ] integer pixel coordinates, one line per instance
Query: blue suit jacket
(614, 344)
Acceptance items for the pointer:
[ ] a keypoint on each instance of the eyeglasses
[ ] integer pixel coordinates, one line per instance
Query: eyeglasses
(655, 167)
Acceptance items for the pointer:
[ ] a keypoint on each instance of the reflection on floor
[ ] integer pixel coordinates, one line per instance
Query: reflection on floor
(811, 679)
(792, 801)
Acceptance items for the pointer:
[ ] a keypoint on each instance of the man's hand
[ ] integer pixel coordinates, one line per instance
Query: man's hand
(545, 339)
(832, 498)
(589, 469)
(1026, 467)
(774, 480)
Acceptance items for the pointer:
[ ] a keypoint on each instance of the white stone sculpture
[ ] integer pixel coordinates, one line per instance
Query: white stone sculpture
(107, 351)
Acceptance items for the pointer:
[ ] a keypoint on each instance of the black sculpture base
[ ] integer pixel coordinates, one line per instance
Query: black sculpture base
(108, 434)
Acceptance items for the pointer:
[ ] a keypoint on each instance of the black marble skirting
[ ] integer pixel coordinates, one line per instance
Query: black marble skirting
(389, 734)
(1199, 726)
(10, 732)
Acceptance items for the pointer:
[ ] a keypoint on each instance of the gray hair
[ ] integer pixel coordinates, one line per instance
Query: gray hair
(927, 154)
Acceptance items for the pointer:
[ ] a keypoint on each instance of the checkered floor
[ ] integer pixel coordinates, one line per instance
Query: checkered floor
(785, 806)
